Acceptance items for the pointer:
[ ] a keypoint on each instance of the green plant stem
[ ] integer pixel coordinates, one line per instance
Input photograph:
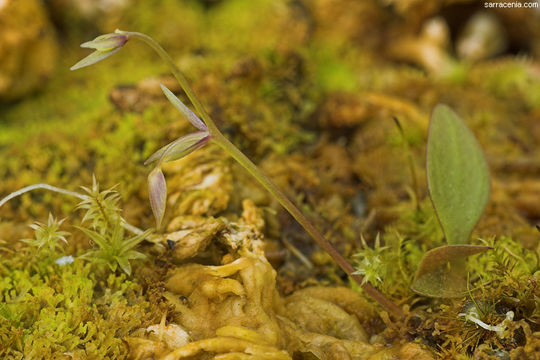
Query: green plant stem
(244, 161)
(410, 161)
(212, 128)
(42, 187)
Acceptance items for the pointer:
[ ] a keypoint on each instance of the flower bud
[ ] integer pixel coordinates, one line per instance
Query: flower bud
(157, 192)
(179, 105)
(105, 46)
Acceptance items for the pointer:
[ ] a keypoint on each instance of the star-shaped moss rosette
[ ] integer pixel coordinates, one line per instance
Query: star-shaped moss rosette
(48, 236)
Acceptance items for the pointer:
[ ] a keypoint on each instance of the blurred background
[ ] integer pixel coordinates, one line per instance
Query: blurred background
(38, 34)
(306, 88)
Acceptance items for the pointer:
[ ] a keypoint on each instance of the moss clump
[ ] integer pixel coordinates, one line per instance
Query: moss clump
(309, 92)
(66, 310)
(54, 306)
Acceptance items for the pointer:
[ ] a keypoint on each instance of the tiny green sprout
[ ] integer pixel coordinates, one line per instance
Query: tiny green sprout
(48, 236)
(370, 264)
(113, 249)
(459, 186)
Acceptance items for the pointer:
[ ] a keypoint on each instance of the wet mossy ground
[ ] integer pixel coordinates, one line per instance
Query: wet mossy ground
(309, 92)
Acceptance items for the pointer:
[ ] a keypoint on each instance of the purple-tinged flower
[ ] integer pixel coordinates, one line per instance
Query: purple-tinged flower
(178, 104)
(157, 192)
(157, 188)
(179, 147)
(185, 144)
(105, 46)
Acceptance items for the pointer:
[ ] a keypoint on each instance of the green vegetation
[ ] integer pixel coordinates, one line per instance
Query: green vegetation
(114, 249)
(48, 237)
(457, 173)
(68, 310)
(458, 182)
(63, 305)
(209, 132)
(106, 227)
(103, 213)
(309, 95)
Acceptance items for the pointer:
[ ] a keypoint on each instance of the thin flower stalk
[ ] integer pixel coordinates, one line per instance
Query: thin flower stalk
(131, 228)
(210, 132)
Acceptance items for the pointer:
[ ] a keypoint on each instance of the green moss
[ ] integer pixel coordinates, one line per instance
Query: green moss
(70, 130)
(334, 68)
(510, 79)
(65, 309)
(509, 262)
(335, 76)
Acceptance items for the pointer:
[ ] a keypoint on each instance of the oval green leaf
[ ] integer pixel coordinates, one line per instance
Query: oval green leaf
(457, 175)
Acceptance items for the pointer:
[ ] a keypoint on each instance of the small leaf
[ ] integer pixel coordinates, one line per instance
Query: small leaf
(124, 264)
(157, 192)
(134, 240)
(90, 255)
(180, 147)
(96, 237)
(442, 271)
(113, 265)
(134, 255)
(179, 105)
(457, 174)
